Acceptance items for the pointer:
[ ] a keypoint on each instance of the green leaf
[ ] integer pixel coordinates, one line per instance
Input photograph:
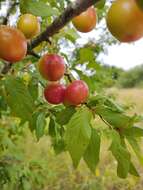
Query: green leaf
(86, 55)
(37, 8)
(103, 100)
(56, 132)
(59, 146)
(78, 134)
(32, 124)
(91, 155)
(100, 4)
(71, 34)
(133, 132)
(65, 115)
(114, 118)
(136, 148)
(40, 125)
(52, 129)
(19, 98)
(33, 88)
(94, 65)
(3, 105)
(121, 154)
(133, 170)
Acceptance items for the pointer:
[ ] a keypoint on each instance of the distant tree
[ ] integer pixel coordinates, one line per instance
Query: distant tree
(132, 78)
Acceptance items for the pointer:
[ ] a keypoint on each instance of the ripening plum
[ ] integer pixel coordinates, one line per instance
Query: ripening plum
(52, 67)
(76, 93)
(86, 21)
(13, 44)
(54, 93)
(29, 25)
(125, 20)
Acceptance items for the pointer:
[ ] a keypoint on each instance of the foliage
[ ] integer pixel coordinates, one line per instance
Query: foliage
(132, 78)
(70, 129)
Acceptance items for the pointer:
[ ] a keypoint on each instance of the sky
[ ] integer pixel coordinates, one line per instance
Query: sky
(125, 55)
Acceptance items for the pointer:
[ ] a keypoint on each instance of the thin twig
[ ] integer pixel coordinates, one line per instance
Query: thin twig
(68, 77)
(6, 68)
(6, 18)
(110, 126)
(34, 54)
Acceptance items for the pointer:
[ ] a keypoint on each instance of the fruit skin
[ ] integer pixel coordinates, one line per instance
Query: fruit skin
(125, 20)
(29, 25)
(76, 93)
(52, 67)
(54, 93)
(13, 44)
(86, 21)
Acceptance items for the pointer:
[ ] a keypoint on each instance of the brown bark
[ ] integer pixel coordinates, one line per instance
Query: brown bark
(69, 13)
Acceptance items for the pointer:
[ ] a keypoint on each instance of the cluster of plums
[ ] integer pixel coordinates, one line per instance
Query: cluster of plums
(52, 68)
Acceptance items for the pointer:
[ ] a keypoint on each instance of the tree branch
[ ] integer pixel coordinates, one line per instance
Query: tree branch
(70, 12)
(69, 77)
(11, 7)
(34, 54)
(6, 68)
